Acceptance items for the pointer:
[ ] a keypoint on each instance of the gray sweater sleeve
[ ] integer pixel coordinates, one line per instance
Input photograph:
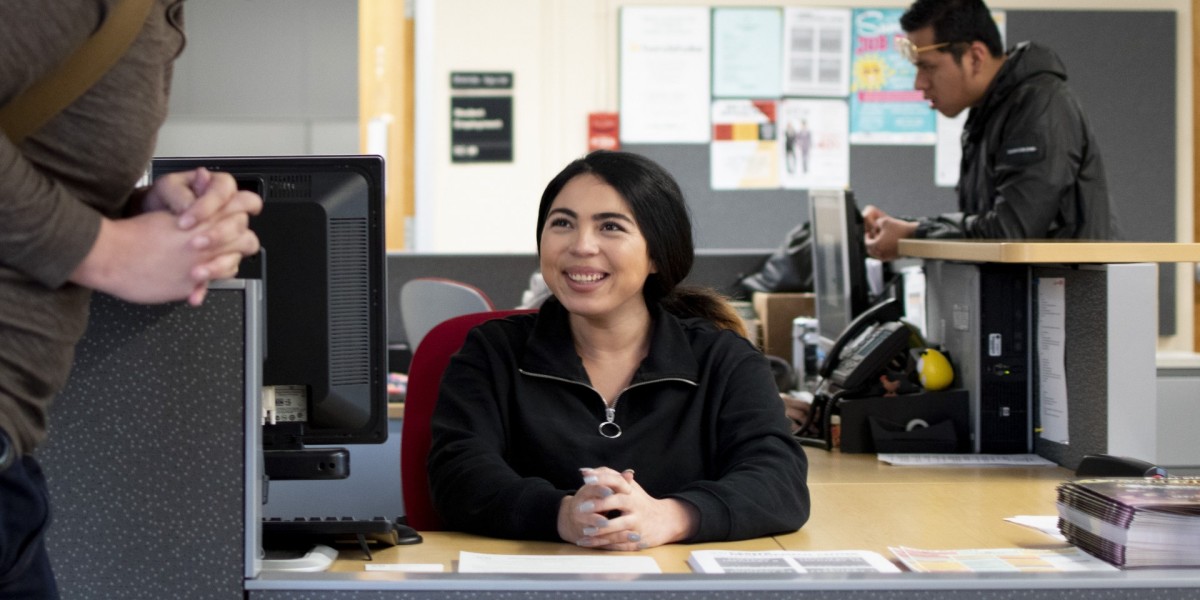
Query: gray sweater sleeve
(82, 164)
(45, 231)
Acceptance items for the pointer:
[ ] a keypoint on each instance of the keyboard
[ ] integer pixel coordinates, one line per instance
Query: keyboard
(279, 532)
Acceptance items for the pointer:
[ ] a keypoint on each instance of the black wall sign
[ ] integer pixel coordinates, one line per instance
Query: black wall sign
(481, 129)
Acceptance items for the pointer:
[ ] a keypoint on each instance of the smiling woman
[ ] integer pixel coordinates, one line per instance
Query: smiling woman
(628, 412)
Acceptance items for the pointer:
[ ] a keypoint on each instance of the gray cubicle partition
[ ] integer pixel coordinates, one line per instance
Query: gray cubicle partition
(1127, 89)
(146, 456)
(1108, 363)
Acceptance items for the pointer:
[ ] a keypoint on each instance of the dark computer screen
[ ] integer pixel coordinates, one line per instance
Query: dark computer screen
(324, 272)
(839, 261)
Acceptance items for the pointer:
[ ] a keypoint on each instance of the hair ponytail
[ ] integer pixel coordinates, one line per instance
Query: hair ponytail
(694, 301)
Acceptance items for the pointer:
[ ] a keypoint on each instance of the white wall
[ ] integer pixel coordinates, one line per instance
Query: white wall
(556, 52)
(265, 77)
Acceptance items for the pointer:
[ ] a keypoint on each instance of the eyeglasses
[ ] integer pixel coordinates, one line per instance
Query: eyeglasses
(911, 51)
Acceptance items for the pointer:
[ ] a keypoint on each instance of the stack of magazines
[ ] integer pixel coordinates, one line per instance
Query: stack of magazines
(1134, 522)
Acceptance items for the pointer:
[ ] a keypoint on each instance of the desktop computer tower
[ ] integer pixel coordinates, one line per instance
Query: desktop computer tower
(980, 314)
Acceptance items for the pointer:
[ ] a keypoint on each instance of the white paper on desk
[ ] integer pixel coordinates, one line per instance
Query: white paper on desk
(405, 567)
(1047, 524)
(790, 561)
(965, 460)
(474, 562)
(1051, 348)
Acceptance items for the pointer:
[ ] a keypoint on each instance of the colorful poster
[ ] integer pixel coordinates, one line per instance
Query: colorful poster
(813, 146)
(816, 52)
(747, 52)
(884, 107)
(665, 75)
(744, 151)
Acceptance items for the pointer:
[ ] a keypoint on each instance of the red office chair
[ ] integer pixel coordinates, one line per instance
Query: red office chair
(424, 379)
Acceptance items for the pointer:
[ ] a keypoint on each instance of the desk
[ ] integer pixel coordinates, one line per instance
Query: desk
(922, 507)
(858, 503)
(165, 507)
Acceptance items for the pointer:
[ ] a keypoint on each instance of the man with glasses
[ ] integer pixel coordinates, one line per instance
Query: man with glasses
(1031, 166)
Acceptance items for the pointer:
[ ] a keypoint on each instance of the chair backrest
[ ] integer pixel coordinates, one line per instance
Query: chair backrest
(424, 379)
(427, 301)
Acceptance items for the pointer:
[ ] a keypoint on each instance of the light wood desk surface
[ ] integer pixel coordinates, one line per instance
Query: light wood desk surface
(1050, 251)
(858, 503)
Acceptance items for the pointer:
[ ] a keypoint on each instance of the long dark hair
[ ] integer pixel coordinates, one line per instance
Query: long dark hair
(662, 216)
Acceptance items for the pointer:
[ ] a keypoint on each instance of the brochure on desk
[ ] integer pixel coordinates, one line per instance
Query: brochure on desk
(1140, 522)
(999, 560)
(783, 561)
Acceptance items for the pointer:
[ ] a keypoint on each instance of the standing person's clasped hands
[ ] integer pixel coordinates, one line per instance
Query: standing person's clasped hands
(187, 229)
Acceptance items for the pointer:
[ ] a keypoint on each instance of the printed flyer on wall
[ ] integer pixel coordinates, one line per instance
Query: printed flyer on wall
(813, 145)
(744, 151)
(884, 107)
(746, 52)
(816, 52)
(665, 75)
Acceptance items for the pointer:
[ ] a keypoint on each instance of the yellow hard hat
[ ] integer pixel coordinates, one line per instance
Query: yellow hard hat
(934, 370)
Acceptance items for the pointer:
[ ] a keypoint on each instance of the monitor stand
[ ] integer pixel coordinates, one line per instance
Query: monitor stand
(300, 463)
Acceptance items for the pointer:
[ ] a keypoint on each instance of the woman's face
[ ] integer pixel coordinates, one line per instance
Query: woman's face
(593, 255)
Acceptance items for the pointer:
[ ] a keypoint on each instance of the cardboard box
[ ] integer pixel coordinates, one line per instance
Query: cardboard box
(775, 314)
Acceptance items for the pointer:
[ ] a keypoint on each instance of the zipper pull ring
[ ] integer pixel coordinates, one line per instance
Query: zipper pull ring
(608, 428)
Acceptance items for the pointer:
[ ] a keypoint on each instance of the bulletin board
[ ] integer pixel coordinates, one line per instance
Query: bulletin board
(1128, 91)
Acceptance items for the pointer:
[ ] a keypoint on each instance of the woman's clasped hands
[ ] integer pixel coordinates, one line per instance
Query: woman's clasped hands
(610, 511)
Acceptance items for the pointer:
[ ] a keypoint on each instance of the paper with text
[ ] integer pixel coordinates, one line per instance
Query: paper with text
(1000, 560)
(1052, 360)
(785, 561)
(965, 460)
(474, 562)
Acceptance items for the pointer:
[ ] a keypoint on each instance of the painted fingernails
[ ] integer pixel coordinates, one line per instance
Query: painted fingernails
(633, 537)
(588, 506)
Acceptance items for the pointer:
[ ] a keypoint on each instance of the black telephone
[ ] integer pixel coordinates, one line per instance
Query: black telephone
(860, 354)
(866, 347)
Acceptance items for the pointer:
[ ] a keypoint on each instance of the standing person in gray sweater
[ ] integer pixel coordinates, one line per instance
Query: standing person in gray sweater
(71, 221)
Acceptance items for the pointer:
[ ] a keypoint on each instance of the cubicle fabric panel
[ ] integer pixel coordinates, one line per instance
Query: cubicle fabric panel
(145, 459)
